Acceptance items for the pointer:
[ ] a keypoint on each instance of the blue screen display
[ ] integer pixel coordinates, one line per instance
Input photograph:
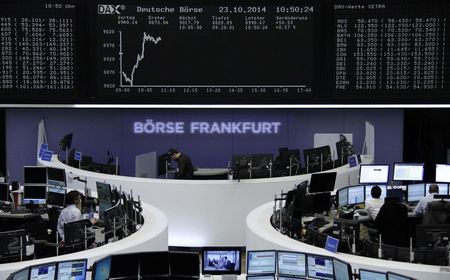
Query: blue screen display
(102, 269)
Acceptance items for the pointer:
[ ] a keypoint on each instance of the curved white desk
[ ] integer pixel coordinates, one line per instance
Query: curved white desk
(152, 236)
(262, 236)
(203, 212)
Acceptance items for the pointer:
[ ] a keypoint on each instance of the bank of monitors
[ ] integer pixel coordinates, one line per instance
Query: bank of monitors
(56, 176)
(187, 264)
(154, 264)
(261, 262)
(34, 194)
(342, 270)
(34, 175)
(291, 264)
(442, 173)
(371, 275)
(221, 260)
(4, 192)
(415, 192)
(124, 266)
(265, 277)
(56, 197)
(408, 171)
(72, 270)
(322, 182)
(43, 272)
(320, 267)
(373, 174)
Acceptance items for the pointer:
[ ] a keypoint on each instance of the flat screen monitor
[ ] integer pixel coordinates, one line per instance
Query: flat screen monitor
(291, 264)
(322, 202)
(342, 197)
(154, 264)
(369, 191)
(320, 267)
(290, 157)
(356, 194)
(443, 188)
(408, 171)
(101, 269)
(442, 173)
(66, 142)
(56, 176)
(43, 272)
(4, 192)
(395, 276)
(318, 159)
(126, 265)
(262, 160)
(373, 173)
(72, 270)
(221, 260)
(322, 182)
(56, 197)
(371, 275)
(187, 264)
(34, 194)
(104, 192)
(342, 270)
(20, 275)
(415, 192)
(263, 277)
(34, 175)
(395, 193)
(261, 262)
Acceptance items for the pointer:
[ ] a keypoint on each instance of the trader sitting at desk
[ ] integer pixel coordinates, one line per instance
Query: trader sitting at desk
(374, 204)
(70, 213)
(423, 203)
(185, 167)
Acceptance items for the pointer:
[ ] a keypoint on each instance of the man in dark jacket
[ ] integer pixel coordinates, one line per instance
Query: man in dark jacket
(185, 167)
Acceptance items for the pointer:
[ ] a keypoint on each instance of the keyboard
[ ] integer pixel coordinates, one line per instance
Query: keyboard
(20, 211)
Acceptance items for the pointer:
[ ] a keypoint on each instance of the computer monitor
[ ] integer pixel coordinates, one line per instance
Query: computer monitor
(408, 171)
(72, 270)
(43, 271)
(320, 267)
(415, 192)
(369, 191)
(101, 269)
(343, 150)
(443, 188)
(262, 160)
(346, 229)
(371, 275)
(10, 244)
(290, 157)
(56, 197)
(356, 194)
(187, 264)
(291, 264)
(20, 275)
(104, 192)
(265, 277)
(395, 276)
(342, 270)
(342, 197)
(261, 262)
(318, 159)
(34, 175)
(442, 173)
(221, 260)
(394, 194)
(240, 165)
(125, 265)
(4, 192)
(34, 194)
(74, 232)
(431, 236)
(322, 182)
(373, 173)
(154, 264)
(322, 202)
(56, 176)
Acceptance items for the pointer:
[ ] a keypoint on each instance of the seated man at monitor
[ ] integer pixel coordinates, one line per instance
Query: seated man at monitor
(185, 167)
(392, 222)
(433, 189)
(374, 204)
(70, 213)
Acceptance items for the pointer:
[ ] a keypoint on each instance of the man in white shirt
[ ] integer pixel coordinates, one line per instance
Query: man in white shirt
(423, 203)
(70, 213)
(373, 205)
